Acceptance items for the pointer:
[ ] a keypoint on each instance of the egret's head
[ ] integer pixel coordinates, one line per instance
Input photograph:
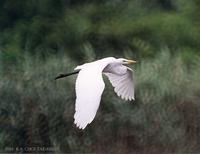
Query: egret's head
(126, 61)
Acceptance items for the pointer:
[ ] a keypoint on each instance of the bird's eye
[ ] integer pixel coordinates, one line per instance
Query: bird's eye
(124, 61)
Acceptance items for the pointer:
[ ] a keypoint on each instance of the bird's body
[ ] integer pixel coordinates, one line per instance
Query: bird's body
(90, 86)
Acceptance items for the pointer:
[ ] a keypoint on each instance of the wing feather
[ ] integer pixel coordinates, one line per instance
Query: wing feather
(89, 88)
(123, 84)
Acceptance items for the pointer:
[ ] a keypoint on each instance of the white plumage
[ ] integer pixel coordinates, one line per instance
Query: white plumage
(89, 89)
(123, 84)
(90, 86)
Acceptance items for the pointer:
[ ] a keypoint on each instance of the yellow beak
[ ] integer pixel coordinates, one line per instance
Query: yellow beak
(131, 61)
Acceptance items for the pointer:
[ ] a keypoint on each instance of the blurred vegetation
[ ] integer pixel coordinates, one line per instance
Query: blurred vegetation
(40, 39)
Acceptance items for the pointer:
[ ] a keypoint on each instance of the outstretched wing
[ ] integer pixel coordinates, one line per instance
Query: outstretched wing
(89, 88)
(123, 84)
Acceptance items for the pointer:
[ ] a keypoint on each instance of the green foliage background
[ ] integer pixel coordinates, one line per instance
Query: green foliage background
(40, 39)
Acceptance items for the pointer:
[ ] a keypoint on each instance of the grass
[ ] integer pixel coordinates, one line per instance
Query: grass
(38, 111)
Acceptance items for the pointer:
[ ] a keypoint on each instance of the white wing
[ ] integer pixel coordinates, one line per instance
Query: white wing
(89, 88)
(123, 84)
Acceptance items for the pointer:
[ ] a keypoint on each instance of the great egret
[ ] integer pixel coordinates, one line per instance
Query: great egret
(90, 86)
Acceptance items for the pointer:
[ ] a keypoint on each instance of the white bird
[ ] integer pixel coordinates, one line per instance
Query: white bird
(90, 86)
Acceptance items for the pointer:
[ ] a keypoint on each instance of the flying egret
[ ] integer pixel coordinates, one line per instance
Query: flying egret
(90, 85)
